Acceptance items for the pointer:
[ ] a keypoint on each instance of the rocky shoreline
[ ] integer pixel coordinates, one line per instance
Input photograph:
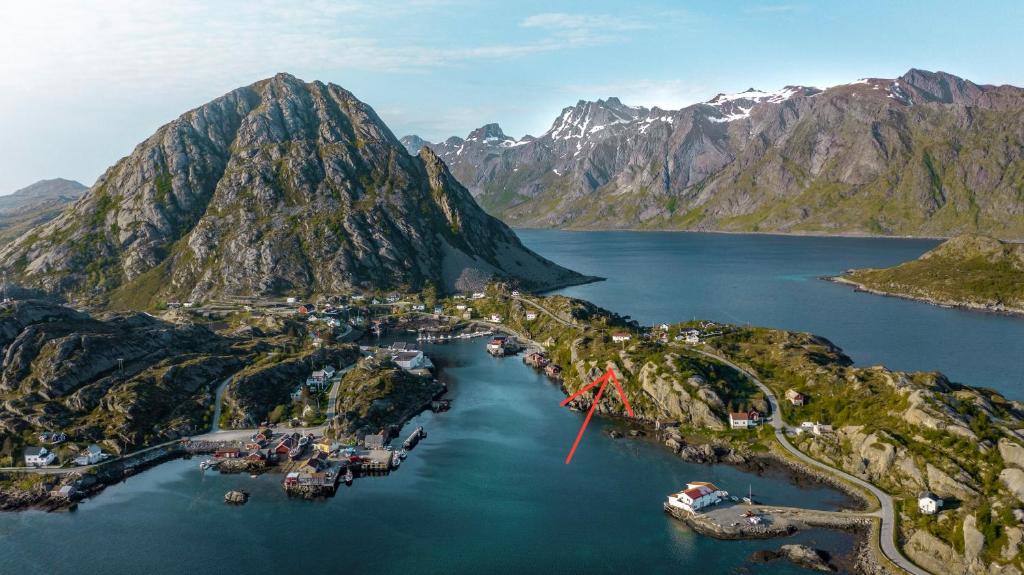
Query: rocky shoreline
(949, 304)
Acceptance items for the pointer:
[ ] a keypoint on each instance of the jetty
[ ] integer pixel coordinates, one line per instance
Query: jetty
(414, 438)
(741, 521)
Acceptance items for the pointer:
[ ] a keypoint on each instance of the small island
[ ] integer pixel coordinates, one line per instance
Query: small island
(968, 271)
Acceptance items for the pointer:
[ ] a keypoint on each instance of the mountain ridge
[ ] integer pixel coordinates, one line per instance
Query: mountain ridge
(924, 154)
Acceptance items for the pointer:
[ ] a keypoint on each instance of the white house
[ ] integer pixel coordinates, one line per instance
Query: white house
(664, 327)
(744, 420)
(620, 337)
(39, 456)
(690, 336)
(929, 503)
(90, 455)
(531, 315)
(515, 293)
(495, 318)
(479, 295)
(418, 307)
(697, 495)
(460, 306)
(290, 300)
(412, 359)
(814, 427)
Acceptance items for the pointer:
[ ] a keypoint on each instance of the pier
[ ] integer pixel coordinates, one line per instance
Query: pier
(742, 521)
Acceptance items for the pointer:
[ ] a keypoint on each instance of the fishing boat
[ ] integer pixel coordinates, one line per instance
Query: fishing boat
(206, 464)
(348, 477)
(396, 459)
(403, 453)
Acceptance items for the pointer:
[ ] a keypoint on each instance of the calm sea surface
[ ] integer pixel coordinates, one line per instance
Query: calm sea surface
(487, 491)
(772, 281)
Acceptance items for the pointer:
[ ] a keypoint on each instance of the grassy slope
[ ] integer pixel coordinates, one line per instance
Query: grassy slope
(967, 270)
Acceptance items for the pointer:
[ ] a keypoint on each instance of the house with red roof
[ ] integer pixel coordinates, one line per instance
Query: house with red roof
(697, 495)
(744, 419)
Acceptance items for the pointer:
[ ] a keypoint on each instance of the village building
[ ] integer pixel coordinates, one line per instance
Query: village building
(535, 359)
(291, 300)
(553, 371)
(929, 503)
(621, 337)
(744, 420)
(418, 307)
(307, 308)
(39, 456)
(460, 306)
(795, 397)
(227, 453)
(479, 295)
(814, 427)
(374, 441)
(66, 492)
(90, 455)
(438, 310)
(412, 359)
(697, 495)
(53, 437)
(531, 315)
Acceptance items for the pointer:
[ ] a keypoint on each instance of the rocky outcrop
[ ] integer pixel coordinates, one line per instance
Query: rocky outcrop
(259, 388)
(926, 153)
(280, 186)
(372, 399)
(132, 377)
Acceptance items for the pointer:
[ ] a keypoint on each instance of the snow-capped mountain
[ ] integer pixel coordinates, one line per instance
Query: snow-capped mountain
(872, 156)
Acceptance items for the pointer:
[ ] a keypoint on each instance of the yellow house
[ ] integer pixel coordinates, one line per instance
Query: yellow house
(323, 445)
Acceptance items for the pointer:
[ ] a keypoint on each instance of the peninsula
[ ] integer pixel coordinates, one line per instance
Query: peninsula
(968, 271)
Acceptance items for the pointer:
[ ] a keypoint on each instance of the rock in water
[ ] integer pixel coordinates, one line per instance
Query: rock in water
(236, 497)
(278, 186)
(804, 556)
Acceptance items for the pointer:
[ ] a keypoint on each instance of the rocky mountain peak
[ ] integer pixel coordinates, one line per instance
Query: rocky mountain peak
(488, 133)
(588, 117)
(940, 87)
(280, 186)
(413, 143)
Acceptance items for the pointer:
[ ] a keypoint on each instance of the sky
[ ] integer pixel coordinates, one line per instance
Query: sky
(82, 82)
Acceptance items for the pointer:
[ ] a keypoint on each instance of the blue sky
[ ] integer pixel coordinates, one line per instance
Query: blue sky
(82, 82)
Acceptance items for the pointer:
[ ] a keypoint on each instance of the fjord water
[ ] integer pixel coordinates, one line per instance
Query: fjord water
(773, 281)
(486, 492)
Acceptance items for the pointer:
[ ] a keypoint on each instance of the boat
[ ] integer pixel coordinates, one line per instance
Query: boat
(206, 464)
(348, 477)
(396, 459)
(303, 441)
(403, 453)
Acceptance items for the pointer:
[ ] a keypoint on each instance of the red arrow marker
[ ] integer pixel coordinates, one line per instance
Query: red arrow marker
(603, 382)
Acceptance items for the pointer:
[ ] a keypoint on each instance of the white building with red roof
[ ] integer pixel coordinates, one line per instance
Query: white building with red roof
(697, 495)
(744, 419)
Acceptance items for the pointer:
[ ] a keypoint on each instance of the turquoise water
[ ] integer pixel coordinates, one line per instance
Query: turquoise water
(486, 492)
(772, 281)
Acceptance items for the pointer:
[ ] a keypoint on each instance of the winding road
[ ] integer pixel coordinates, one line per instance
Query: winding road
(886, 514)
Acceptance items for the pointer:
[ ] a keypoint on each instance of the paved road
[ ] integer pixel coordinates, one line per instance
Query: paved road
(545, 310)
(886, 514)
(218, 398)
(332, 397)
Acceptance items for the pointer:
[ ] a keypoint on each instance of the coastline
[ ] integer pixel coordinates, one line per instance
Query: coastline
(948, 304)
(844, 235)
